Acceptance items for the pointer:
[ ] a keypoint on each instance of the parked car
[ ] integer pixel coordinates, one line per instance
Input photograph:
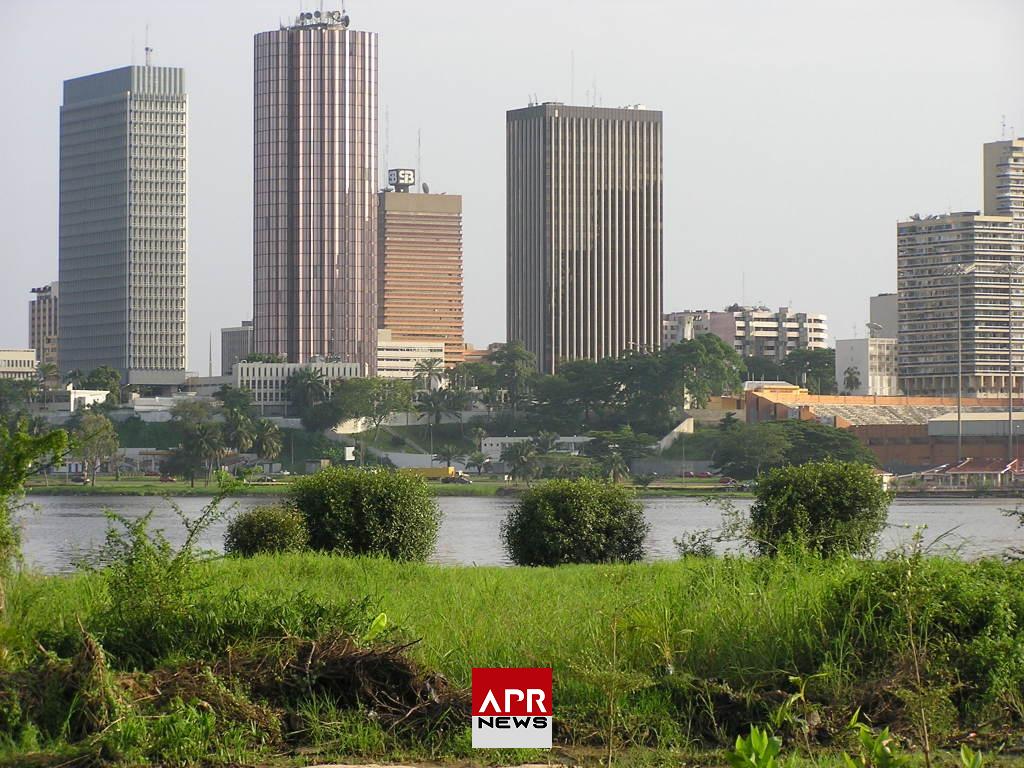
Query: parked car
(167, 479)
(689, 473)
(726, 481)
(705, 474)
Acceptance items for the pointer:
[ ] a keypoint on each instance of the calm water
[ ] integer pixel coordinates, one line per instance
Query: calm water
(58, 528)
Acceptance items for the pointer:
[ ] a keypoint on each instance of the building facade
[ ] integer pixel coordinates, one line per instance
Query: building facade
(884, 314)
(584, 231)
(268, 382)
(315, 193)
(872, 365)
(122, 224)
(419, 269)
(397, 358)
(960, 280)
(43, 327)
(235, 345)
(19, 364)
(751, 331)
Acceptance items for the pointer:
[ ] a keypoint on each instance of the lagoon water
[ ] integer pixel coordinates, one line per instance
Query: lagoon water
(58, 529)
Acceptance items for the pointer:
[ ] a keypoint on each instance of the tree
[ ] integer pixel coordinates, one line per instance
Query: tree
(234, 400)
(829, 507)
(478, 437)
(851, 378)
(745, 451)
(275, 528)
(373, 399)
(238, 430)
(49, 377)
(728, 422)
(812, 368)
(514, 366)
(103, 378)
(478, 460)
(188, 413)
(575, 521)
(813, 441)
(614, 466)
(266, 439)
(448, 454)
(758, 368)
(20, 457)
(433, 406)
(429, 372)
(519, 458)
(263, 357)
(202, 444)
(95, 442)
(306, 387)
(545, 441)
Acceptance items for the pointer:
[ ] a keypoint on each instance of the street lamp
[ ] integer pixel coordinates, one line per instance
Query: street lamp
(959, 271)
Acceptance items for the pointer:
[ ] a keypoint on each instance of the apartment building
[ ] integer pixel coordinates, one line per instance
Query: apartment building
(751, 331)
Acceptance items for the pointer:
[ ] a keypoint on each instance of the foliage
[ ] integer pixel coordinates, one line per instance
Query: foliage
(95, 441)
(274, 528)
(428, 373)
(306, 387)
(235, 400)
(238, 430)
(520, 458)
(757, 750)
(829, 507)
(745, 451)
(814, 441)
(478, 460)
(102, 378)
(875, 750)
(263, 357)
(368, 512)
(812, 368)
(448, 454)
(851, 378)
(575, 521)
(266, 439)
(189, 413)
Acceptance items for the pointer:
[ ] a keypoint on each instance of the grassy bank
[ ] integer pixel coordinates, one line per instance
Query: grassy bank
(666, 661)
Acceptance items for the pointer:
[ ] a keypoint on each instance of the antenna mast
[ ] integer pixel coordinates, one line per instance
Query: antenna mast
(419, 154)
(148, 50)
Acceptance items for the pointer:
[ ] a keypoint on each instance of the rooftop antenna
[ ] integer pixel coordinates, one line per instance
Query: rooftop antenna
(419, 153)
(572, 77)
(211, 355)
(147, 49)
(1002, 133)
(387, 135)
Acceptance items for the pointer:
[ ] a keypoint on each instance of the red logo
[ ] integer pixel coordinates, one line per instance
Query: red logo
(512, 708)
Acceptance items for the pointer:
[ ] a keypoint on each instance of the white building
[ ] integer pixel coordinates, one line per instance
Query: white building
(751, 331)
(397, 358)
(493, 446)
(268, 382)
(873, 363)
(17, 363)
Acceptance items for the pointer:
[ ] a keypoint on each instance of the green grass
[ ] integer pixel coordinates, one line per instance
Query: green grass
(398, 438)
(691, 652)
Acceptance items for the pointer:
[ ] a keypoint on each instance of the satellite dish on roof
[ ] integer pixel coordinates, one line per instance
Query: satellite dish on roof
(426, 189)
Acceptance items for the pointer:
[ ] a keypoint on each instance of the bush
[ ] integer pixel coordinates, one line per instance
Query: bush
(368, 512)
(829, 507)
(274, 528)
(575, 521)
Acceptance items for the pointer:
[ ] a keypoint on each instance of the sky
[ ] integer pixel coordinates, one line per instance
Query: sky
(796, 132)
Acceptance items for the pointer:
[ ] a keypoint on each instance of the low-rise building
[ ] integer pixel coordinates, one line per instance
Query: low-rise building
(17, 364)
(268, 382)
(492, 447)
(397, 358)
(867, 366)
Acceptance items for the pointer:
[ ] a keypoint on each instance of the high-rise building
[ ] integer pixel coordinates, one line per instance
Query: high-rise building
(584, 231)
(751, 331)
(960, 279)
(122, 232)
(884, 314)
(419, 269)
(315, 195)
(235, 345)
(43, 322)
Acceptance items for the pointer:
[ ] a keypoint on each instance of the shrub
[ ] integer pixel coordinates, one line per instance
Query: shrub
(275, 528)
(829, 507)
(368, 512)
(575, 521)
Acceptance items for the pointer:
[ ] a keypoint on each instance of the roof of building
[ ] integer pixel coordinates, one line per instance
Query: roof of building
(979, 466)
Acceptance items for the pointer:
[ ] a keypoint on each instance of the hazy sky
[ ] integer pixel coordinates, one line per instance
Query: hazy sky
(797, 132)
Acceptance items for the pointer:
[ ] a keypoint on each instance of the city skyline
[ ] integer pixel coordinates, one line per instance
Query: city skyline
(792, 190)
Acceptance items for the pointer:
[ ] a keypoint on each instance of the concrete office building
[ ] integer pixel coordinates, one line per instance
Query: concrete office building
(43, 319)
(872, 361)
(584, 231)
(315, 194)
(751, 331)
(268, 382)
(235, 345)
(982, 254)
(419, 266)
(884, 315)
(122, 230)
(17, 364)
(397, 358)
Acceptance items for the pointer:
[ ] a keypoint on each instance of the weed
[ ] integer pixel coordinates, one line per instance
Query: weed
(757, 750)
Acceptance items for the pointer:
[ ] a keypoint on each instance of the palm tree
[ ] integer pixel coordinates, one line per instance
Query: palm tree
(515, 367)
(207, 443)
(238, 430)
(429, 371)
(266, 439)
(545, 441)
(519, 457)
(448, 454)
(478, 437)
(306, 387)
(477, 460)
(434, 406)
(614, 466)
(851, 378)
(49, 375)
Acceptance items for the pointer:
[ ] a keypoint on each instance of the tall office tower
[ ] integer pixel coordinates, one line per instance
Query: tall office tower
(315, 201)
(123, 179)
(965, 272)
(235, 345)
(42, 322)
(419, 267)
(584, 231)
(1004, 178)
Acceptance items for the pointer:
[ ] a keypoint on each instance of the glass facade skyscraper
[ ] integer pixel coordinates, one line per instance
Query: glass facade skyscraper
(315, 196)
(123, 227)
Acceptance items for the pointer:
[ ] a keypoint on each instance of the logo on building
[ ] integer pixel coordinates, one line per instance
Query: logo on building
(401, 178)
(512, 708)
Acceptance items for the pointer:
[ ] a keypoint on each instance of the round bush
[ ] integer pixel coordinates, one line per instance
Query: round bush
(575, 521)
(829, 507)
(266, 529)
(368, 512)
